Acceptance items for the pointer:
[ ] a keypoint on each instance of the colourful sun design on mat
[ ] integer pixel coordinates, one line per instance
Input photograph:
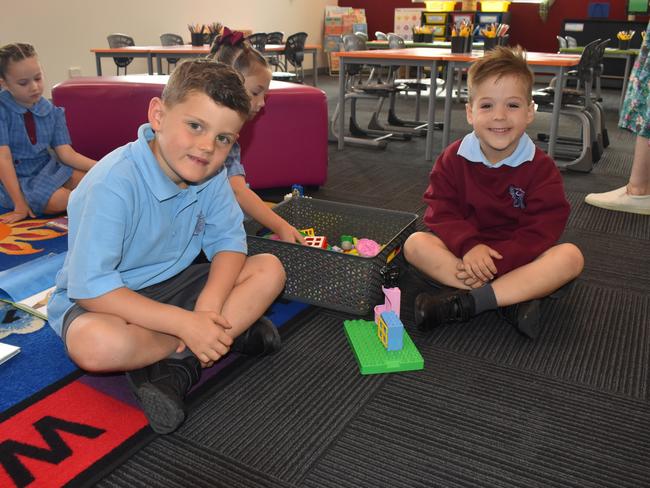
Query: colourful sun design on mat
(14, 238)
(15, 321)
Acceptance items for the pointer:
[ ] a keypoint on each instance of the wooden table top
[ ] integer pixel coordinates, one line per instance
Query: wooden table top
(442, 54)
(182, 49)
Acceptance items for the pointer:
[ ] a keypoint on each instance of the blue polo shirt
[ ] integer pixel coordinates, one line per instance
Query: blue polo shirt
(131, 226)
(470, 149)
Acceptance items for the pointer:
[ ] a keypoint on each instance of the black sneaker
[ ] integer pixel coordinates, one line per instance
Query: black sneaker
(259, 339)
(448, 307)
(161, 388)
(524, 316)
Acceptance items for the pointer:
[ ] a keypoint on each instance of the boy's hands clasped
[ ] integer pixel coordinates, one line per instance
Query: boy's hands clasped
(205, 334)
(477, 266)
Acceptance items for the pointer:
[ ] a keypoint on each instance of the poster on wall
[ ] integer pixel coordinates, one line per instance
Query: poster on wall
(405, 20)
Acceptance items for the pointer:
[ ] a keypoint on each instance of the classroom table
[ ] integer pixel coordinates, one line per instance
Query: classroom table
(557, 64)
(123, 52)
(611, 52)
(185, 51)
(441, 44)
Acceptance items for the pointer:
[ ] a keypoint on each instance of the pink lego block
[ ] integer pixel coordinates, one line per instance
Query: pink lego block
(392, 299)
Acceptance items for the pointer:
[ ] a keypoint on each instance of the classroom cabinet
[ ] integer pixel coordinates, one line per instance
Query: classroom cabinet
(441, 23)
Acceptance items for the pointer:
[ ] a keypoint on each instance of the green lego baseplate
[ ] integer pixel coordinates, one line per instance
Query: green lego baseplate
(371, 355)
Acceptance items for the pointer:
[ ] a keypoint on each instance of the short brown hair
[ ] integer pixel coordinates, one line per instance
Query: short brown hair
(499, 62)
(217, 80)
(13, 53)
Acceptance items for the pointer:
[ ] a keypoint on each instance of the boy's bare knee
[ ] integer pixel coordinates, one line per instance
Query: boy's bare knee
(92, 347)
(414, 244)
(87, 348)
(576, 257)
(422, 246)
(573, 260)
(271, 267)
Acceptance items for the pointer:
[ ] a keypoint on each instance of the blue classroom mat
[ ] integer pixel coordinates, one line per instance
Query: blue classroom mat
(30, 239)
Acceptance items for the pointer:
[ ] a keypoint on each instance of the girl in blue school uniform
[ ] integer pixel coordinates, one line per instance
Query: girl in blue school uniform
(232, 48)
(33, 181)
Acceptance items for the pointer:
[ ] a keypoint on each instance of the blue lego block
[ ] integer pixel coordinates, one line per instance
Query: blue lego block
(393, 339)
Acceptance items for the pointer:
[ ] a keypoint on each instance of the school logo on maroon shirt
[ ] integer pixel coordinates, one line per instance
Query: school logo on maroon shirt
(517, 195)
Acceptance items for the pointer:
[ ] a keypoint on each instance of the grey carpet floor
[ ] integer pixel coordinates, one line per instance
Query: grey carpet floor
(490, 409)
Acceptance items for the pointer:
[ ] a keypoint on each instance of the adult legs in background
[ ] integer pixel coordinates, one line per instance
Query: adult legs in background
(635, 196)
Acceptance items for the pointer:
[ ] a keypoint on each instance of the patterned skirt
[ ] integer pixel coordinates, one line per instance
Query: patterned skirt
(635, 113)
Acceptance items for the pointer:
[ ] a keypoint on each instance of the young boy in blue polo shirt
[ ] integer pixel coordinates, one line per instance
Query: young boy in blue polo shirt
(129, 297)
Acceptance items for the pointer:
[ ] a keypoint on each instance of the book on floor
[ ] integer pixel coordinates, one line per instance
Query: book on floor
(7, 351)
(35, 305)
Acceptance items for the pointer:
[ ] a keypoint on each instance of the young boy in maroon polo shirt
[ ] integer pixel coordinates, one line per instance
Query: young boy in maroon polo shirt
(496, 208)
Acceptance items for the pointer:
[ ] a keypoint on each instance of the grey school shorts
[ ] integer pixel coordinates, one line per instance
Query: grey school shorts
(181, 290)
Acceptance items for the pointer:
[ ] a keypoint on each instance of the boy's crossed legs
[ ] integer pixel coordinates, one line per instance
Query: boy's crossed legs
(102, 342)
(548, 272)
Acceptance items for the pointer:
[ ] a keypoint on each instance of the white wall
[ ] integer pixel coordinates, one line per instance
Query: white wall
(64, 31)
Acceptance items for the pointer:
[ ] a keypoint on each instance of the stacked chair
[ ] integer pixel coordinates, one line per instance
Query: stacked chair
(418, 85)
(294, 55)
(171, 40)
(120, 40)
(275, 37)
(571, 41)
(258, 41)
(580, 103)
(372, 89)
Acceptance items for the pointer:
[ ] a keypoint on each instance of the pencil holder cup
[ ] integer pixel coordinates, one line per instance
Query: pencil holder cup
(489, 43)
(458, 44)
(424, 37)
(197, 38)
(469, 40)
(503, 40)
(623, 44)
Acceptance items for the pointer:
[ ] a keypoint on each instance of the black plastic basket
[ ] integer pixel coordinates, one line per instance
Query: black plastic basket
(329, 279)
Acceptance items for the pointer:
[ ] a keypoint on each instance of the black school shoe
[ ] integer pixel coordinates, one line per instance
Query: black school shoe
(447, 307)
(525, 316)
(259, 339)
(161, 388)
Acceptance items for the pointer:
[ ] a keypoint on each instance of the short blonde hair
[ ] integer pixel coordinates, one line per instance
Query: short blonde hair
(501, 61)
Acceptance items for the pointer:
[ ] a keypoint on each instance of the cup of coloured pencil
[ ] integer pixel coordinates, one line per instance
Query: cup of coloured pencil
(624, 38)
(494, 35)
(196, 34)
(489, 43)
(461, 39)
(422, 34)
(214, 29)
(457, 44)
